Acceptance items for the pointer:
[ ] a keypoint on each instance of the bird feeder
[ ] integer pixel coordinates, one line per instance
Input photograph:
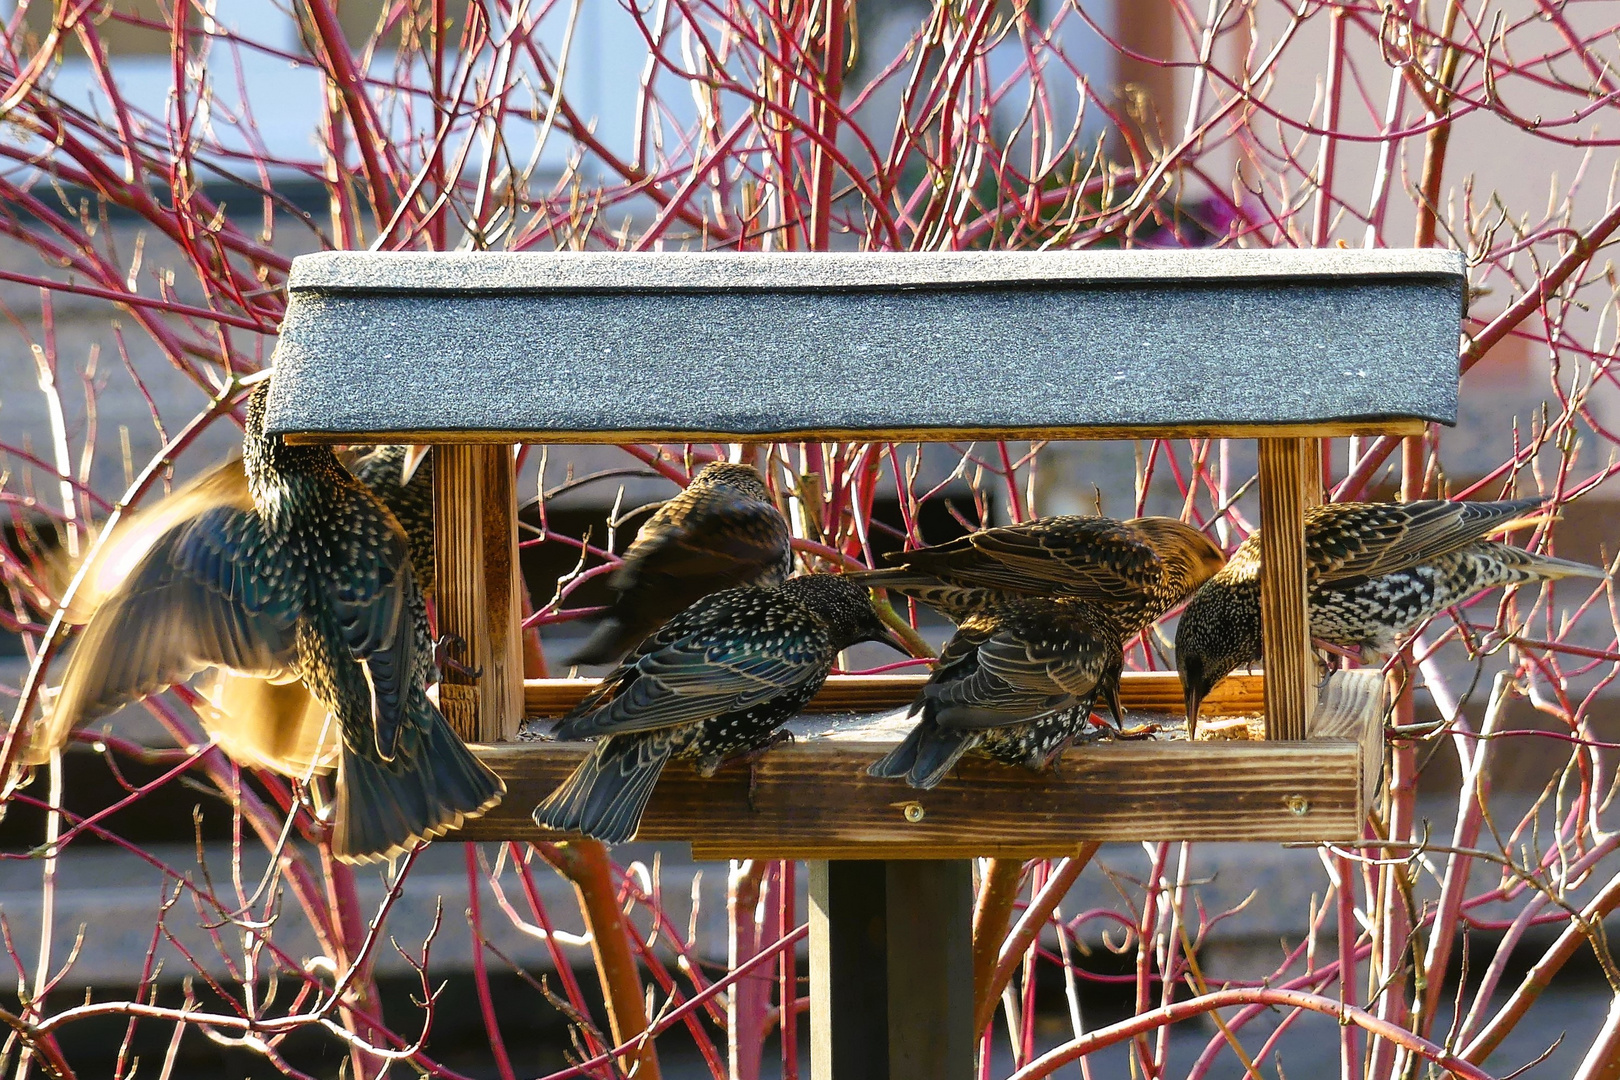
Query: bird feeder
(475, 353)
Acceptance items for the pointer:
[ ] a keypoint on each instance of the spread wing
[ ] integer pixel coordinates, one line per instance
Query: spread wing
(115, 557)
(1090, 558)
(206, 593)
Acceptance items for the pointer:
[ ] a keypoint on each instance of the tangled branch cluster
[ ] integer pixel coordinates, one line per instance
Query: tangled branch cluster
(151, 206)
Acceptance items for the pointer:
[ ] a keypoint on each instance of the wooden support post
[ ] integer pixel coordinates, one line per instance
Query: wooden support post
(1315, 493)
(1284, 623)
(478, 596)
(891, 970)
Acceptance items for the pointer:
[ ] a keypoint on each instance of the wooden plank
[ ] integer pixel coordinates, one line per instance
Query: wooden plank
(1396, 426)
(930, 968)
(1312, 489)
(1351, 707)
(849, 984)
(813, 799)
(1143, 691)
(1285, 625)
(477, 601)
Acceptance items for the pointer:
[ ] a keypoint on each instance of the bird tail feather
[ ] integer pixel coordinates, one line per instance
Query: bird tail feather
(385, 808)
(606, 796)
(1547, 568)
(927, 754)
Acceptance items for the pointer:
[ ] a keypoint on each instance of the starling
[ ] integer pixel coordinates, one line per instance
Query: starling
(713, 684)
(1374, 573)
(402, 477)
(1016, 682)
(721, 532)
(310, 579)
(1138, 568)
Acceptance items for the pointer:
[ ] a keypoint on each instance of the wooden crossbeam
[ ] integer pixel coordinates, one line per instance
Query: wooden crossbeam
(812, 799)
(1141, 691)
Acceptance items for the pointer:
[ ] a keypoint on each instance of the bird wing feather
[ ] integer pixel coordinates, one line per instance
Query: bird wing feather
(683, 680)
(1094, 558)
(372, 602)
(713, 538)
(116, 556)
(199, 597)
(1348, 542)
(1005, 679)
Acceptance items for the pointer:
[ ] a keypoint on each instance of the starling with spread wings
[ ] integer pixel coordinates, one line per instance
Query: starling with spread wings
(1375, 572)
(713, 685)
(721, 532)
(307, 577)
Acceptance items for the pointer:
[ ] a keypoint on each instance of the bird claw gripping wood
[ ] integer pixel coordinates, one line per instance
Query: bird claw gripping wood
(441, 656)
(751, 759)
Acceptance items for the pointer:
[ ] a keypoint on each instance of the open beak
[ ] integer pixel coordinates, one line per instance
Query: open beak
(414, 456)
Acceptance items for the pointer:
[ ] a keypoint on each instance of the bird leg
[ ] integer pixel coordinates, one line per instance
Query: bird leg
(445, 662)
(751, 759)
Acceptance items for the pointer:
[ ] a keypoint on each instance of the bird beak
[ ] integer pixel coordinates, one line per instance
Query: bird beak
(1194, 700)
(414, 456)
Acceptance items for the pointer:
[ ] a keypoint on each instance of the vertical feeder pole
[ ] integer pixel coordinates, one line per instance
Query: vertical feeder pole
(475, 533)
(891, 969)
(1284, 623)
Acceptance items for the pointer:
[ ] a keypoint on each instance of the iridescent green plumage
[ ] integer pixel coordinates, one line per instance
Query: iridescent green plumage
(310, 577)
(713, 684)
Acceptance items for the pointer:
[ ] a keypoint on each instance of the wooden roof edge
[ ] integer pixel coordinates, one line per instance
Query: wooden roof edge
(613, 271)
(1337, 427)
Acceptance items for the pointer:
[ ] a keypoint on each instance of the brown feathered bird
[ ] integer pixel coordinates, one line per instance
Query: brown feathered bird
(1375, 572)
(309, 579)
(1016, 682)
(1133, 570)
(1138, 568)
(1044, 611)
(722, 531)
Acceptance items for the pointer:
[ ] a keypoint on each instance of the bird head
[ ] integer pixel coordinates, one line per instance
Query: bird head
(1191, 557)
(743, 479)
(1216, 635)
(845, 608)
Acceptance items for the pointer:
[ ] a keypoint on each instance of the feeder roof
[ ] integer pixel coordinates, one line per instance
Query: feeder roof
(620, 347)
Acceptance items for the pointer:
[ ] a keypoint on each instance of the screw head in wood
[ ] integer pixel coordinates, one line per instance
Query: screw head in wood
(912, 811)
(1298, 805)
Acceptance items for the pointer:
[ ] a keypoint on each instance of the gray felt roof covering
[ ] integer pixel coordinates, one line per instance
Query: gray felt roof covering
(593, 346)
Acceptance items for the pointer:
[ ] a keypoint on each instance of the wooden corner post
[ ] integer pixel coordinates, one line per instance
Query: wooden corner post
(1284, 619)
(475, 534)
